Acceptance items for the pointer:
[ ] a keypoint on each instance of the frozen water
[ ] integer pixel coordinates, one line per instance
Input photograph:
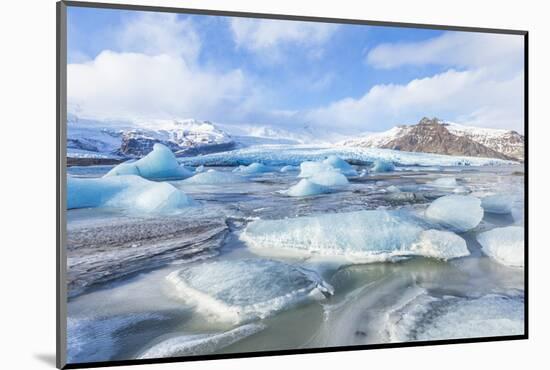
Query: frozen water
(381, 165)
(363, 236)
(504, 244)
(498, 203)
(199, 169)
(458, 212)
(214, 177)
(197, 344)
(127, 192)
(246, 289)
(393, 189)
(160, 163)
(252, 168)
(289, 168)
(329, 178)
(309, 169)
(444, 182)
(306, 188)
(341, 165)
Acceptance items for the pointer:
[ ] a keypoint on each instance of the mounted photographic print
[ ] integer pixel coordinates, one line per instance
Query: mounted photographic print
(235, 184)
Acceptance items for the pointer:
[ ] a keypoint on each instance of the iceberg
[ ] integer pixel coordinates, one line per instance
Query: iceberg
(247, 289)
(214, 177)
(200, 344)
(160, 163)
(505, 245)
(359, 237)
(305, 188)
(381, 165)
(199, 169)
(329, 178)
(289, 168)
(129, 192)
(498, 203)
(341, 165)
(252, 168)
(444, 182)
(309, 169)
(393, 189)
(457, 212)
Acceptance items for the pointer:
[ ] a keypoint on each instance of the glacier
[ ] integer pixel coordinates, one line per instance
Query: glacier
(214, 177)
(281, 155)
(128, 192)
(200, 344)
(246, 289)
(498, 203)
(505, 245)
(160, 163)
(458, 212)
(359, 237)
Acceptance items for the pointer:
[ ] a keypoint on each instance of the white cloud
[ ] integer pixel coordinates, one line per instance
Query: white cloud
(267, 37)
(458, 49)
(470, 97)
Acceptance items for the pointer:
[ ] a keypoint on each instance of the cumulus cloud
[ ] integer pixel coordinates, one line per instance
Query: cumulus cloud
(268, 37)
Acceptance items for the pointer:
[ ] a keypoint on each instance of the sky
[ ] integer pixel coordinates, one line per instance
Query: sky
(288, 74)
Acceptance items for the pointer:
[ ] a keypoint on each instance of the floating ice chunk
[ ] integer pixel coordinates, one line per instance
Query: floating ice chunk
(440, 244)
(444, 182)
(247, 289)
(498, 203)
(160, 163)
(200, 344)
(306, 188)
(381, 165)
(393, 189)
(453, 318)
(458, 212)
(363, 236)
(341, 165)
(126, 191)
(214, 177)
(289, 168)
(199, 169)
(329, 178)
(308, 168)
(253, 168)
(504, 244)
(461, 190)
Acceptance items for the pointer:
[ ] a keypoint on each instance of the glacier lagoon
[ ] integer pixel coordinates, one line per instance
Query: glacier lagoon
(158, 284)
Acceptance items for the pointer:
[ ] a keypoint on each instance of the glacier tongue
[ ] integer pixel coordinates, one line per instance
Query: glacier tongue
(246, 289)
(363, 236)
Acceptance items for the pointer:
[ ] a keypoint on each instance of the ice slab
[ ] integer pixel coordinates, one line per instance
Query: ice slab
(498, 203)
(504, 244)
(160, 163)
(252, 168)
(381, 165)
(200, 344)
(457, 212)
(359, 237)
(305, 188)
(341, 165)
(247, 289)
(309, 168)
(329, 178)
(214, 177)
(444, 182)
(128, 192)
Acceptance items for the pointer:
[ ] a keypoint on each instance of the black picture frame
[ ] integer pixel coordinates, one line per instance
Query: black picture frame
(61, 127)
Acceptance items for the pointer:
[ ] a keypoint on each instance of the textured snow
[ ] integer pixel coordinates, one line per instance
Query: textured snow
(252, 168)
(341, 165)
(127, 192)
(363, 236)
(161, 163)
(199, 344)
(281, 155)
(247, 289)
(498, 203)
(381, 165)
(457, 212)
(214, 177)
(504, 244)
(305, 188)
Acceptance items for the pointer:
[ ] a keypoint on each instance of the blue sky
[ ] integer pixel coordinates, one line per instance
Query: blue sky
(346, 78)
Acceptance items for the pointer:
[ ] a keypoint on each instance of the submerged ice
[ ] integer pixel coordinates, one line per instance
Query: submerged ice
(363, 236)
(458, 212)
(246, 289)
(161, 163)
(505, 245)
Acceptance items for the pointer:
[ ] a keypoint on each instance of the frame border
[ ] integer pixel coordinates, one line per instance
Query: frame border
(61, 162)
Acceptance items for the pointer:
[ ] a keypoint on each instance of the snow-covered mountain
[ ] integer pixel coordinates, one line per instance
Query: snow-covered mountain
(436, 136)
